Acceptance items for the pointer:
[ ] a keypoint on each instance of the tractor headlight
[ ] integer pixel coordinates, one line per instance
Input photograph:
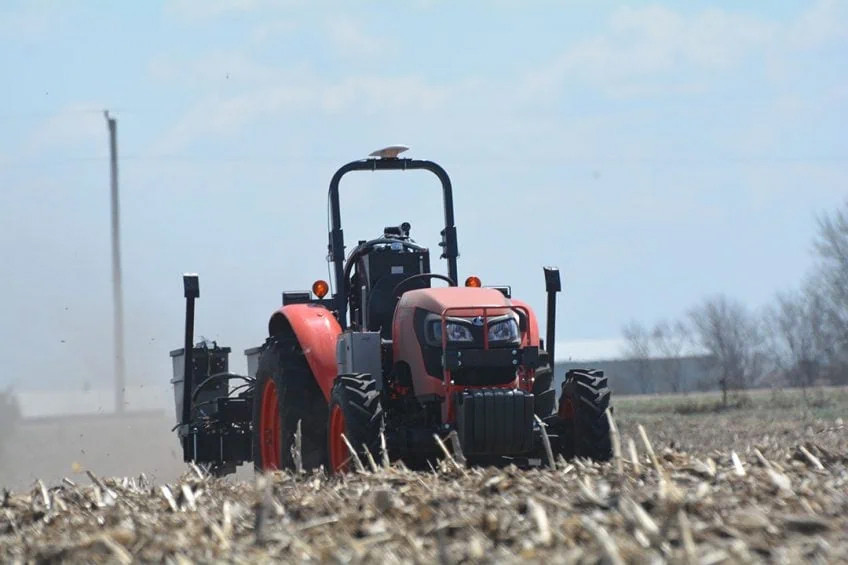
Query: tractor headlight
(455, 332)
(505, 330)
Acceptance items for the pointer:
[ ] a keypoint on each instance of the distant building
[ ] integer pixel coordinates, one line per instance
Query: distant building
(649, 376)
(689, 373)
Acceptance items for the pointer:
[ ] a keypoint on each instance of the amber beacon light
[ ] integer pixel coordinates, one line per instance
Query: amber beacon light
(320, 288)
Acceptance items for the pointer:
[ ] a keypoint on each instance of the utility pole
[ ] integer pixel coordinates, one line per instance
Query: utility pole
(117, 289)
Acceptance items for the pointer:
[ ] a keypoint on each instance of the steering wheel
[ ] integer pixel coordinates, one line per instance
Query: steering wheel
(400, 285)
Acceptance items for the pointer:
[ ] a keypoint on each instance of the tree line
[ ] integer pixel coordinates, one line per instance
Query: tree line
(799, 339)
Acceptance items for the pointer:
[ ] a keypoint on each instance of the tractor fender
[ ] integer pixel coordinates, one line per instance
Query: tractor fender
(317, 331)
(532, 324)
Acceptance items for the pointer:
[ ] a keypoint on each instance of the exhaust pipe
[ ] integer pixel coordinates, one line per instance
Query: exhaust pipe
(191, 288)
(553, 285)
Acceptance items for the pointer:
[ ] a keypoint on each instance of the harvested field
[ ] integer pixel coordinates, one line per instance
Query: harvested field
(744, 485)
(51, 448)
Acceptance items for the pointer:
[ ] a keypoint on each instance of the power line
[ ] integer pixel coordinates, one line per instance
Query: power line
(505, 162)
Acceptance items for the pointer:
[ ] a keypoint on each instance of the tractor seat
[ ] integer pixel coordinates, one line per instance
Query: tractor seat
(381, 303)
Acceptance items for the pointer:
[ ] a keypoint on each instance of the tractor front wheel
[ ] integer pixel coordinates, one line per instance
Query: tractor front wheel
(356, 414)
(582, 415)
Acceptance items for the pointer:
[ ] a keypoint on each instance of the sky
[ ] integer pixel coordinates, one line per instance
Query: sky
(657, 153)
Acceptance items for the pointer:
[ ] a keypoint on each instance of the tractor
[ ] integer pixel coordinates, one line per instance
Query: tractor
(394, 359)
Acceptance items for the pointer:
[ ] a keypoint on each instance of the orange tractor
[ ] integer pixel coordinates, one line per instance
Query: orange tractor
(386, 363)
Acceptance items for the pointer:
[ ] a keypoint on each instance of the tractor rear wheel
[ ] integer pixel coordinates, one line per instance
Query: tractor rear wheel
(286, 393)
(356, 412)
(583, 404)
(544, 392)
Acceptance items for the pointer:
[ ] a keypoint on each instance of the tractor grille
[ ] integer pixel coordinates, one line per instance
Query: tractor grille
(483, 376)
(495, 421)
(464, 376)
(467, 376)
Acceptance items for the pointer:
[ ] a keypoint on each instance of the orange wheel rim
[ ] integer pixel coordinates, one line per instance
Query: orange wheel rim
(566, 409)
(339, 454)
(269, 428)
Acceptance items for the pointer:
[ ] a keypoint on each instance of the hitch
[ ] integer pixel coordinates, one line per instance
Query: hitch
(213, 425)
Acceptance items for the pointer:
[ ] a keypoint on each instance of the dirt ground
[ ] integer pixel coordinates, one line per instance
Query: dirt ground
(52, 448)
(766, 481)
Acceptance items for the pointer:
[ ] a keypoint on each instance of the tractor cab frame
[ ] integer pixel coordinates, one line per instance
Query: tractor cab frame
(336, 247)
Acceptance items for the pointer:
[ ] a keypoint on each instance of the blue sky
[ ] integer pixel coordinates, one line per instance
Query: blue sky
(656, 152)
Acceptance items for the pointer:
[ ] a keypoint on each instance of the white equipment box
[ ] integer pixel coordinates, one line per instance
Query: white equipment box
(359, 352)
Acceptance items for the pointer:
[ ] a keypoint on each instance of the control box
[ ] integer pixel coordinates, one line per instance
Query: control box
(359, 352)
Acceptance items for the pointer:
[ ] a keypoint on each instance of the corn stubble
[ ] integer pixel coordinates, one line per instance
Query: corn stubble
(782, 499)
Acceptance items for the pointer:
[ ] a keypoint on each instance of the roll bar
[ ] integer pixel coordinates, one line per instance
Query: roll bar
(450, 249)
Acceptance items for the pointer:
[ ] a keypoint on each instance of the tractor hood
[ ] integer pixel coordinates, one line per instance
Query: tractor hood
(437, 300)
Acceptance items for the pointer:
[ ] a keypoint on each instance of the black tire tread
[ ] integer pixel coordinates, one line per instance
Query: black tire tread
(300, 400)
(359, 399)
(544, 402)
(590, 394)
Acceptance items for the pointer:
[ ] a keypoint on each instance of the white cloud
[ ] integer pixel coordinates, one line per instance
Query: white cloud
(294, 93)
(655, 48)
(268, 30)
(351, 40)
(826, 21)
(199, 10)
(712, 39)
(373, 94)
(211, 69)
(837, 93)
(72, 126)
(642, 52)
(34, 21)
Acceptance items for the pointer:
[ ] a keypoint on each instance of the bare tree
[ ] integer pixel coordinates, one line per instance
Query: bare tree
(731, 335)
(798, 339)
(669, 341)
(832, 249)
(638, 350)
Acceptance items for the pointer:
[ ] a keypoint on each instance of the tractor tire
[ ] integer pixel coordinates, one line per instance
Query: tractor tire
(544, 402)
(286, 393)
(583, 404)
(356, 412)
